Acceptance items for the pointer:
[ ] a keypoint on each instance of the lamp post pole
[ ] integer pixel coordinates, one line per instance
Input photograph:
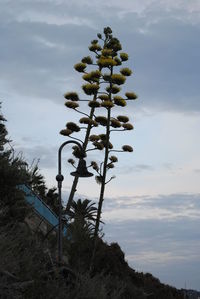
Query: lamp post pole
(59, 179)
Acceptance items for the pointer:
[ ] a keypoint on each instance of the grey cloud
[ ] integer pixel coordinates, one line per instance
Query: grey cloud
(169, 250)
(38, 70)
(167, 65)
(181, 206)
(151, 231)
(141, 167)
(168, 166)
(46, 156)
(197, 170)
(135, 168)
(37, 58)
(165, 247)
(27, 139)
(176, 201)
(124, 202)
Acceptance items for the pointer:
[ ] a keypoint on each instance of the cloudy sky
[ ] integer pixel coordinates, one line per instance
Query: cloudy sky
(152, 208)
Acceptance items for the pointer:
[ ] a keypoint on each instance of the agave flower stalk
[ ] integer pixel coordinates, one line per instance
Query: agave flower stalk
(104, 85)
(110, 100)
(85, 143)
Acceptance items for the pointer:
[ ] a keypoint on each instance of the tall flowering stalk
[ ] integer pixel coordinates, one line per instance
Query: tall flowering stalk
(103, 80)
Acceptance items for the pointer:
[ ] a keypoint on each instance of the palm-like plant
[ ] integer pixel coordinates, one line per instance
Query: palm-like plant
(83, 212)
(82, 216)
(3, 132)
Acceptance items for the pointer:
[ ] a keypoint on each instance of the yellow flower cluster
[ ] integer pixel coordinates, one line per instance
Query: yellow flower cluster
(71, 105)
(123, 56)
(87, 60)
(119, 101)
(102, 120)
(114, 89)
(107, 104)
(94, 104)
(73, 96)
(127, 148)
(123, 118)
(118, 79)
(104, 61)
(80, 67)
(90, 89)
(126, 71)
(73, 127)
(131, 95)
(66, 132)
(128, 126)
(115, 123)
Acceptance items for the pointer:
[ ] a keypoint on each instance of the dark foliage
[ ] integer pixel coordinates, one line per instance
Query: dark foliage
(28, 267)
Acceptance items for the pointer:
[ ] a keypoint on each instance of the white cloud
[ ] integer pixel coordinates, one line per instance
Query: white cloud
(169, 208)
(159, 257)
(53, 19)
(46, 43)
(80, 12)
(167, 249)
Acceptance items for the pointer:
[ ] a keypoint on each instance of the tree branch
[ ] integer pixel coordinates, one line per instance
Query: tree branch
(113, 177)
(82, 112)
(9, 275)
(101, 167)
(115, 130)
(119, 151)
(91, 149)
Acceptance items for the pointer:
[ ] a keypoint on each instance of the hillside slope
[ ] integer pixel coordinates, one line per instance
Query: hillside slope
(28, 258)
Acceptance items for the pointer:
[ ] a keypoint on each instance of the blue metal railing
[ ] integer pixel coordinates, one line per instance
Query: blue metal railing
(41, 207)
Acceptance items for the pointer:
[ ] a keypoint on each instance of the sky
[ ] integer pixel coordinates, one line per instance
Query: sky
(152, 207)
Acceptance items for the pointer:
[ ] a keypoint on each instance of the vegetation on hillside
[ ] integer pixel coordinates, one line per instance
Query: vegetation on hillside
(28, 265)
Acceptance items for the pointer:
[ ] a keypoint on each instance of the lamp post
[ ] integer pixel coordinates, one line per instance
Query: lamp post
(81, 171)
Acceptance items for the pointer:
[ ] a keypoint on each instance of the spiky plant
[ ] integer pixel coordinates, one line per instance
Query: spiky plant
(104, 77)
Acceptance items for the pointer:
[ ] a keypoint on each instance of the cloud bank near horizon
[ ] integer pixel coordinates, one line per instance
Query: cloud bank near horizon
(158, 235)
